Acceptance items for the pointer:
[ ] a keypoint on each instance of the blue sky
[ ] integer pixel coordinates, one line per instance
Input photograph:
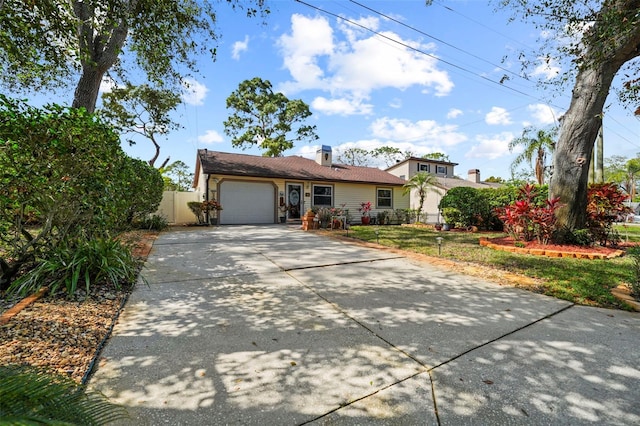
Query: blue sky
(429, 81)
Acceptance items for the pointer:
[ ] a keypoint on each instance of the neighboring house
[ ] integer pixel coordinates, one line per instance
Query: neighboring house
(445, 175)
(254, 189)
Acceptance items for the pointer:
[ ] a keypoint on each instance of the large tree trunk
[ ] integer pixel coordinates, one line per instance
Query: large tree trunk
(99, 49)
(608, 45)
(86, 94)
(579, 130)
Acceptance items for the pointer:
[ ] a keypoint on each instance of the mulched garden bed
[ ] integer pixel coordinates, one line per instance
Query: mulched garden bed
(551, 250)
(62, 333)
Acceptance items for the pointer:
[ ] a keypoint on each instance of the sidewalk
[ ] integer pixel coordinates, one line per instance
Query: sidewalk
(270, 325)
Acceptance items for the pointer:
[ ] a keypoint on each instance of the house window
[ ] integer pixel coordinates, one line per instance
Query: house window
(441, 170)
(424, 168)
(322, 195)
(384, 199)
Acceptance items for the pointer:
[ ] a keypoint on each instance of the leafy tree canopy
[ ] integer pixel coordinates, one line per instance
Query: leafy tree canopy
(266, 118)
(355, 157)
(45, 43)
(624, 172)
(438, 156)
(176, 176)
(142, 110)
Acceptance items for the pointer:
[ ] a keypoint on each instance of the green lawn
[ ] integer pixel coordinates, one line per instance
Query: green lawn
(582, 281)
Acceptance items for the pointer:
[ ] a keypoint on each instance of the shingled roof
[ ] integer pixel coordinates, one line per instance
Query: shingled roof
(293, 167)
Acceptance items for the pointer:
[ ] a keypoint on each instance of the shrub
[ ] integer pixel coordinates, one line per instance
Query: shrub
(382, 217)
(152, 223)
(471, 204)
(498, 198)
(145, 184)
(634, 252)
(605, 204)
(89, 262)
(581, 237)
(453, 217)
(528, 218)
(63, 169)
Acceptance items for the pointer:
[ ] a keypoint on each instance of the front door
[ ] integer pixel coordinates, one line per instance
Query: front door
(294, 200)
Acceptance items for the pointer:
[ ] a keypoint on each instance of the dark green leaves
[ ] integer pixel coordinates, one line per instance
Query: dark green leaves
(267, 119)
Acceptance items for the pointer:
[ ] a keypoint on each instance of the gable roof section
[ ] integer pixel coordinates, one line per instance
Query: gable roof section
(293, 167)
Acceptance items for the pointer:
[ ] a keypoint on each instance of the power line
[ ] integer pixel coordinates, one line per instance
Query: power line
(482, 24)
(438, 39)
(415, 49)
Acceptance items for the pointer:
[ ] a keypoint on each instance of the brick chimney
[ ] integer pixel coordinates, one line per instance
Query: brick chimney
(474, 175)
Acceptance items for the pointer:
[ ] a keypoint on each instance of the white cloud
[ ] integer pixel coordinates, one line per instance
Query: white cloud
(239, 47)
(353, 30)
(498, 116)
(543, 114)
(423, 132)
(210, 137)
(547, 68)
(107, 84)
(341, 106)
(309, 39)
(351, 63)
(491, 147)
(193, 92)
(454, 113)
(396, 103)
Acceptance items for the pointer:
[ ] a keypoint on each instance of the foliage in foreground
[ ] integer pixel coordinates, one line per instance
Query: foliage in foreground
(527, 219)
(63, 178)
(29, 396)
(87, 262)
(634, 253)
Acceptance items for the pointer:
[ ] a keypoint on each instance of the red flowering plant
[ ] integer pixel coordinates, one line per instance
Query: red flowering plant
(211, 205)
(528, 219)
(365, 208)
(605, 205)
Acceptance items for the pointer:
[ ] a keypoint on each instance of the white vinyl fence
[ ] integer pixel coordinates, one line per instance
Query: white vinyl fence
(173, 207)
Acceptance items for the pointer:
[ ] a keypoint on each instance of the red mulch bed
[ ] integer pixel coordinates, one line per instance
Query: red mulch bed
(508, 241)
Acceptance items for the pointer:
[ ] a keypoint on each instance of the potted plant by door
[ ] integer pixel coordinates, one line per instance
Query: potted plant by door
(213, 207)
(324, 217)
(283, 213)
(365, 209)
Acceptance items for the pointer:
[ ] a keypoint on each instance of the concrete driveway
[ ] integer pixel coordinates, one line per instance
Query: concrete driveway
(269, 325)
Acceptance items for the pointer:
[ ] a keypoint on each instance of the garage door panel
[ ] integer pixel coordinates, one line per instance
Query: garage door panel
(247, 202)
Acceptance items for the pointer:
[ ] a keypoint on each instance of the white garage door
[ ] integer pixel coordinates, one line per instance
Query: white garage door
(246, 202)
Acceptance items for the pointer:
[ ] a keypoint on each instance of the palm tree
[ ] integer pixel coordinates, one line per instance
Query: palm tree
(632, 169)
(421, 182)
(540, 145)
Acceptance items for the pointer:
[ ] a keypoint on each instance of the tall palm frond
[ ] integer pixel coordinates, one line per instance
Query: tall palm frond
(421, 182)
(538, 145)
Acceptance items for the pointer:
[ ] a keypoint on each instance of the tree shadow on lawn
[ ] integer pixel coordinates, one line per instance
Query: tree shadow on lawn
(582, 281)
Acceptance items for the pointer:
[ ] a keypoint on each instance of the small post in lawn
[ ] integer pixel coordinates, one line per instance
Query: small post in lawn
(439, 242)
